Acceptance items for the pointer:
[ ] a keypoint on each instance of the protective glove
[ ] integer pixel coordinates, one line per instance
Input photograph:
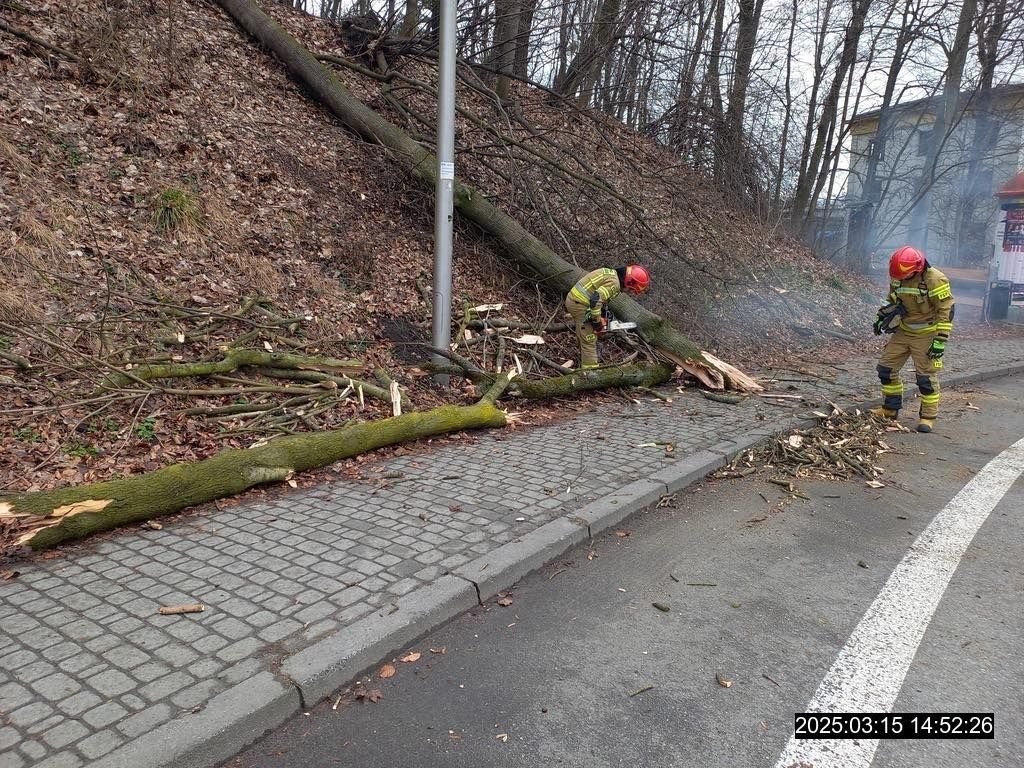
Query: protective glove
(937, 349)
(879, 324)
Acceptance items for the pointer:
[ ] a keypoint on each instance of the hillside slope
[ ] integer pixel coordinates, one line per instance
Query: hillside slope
(160, 171)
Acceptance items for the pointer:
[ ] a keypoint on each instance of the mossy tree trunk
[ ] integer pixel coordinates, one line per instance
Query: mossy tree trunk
(47, 518)
(551, 270)
(636, 375)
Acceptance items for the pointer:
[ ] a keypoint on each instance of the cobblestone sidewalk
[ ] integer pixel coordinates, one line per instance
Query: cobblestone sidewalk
(305, 591)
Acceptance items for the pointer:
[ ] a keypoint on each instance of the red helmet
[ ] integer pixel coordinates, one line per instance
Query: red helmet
(637, 279)
(904, 262)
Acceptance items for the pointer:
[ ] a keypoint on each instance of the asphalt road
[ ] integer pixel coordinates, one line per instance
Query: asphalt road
(580, 669)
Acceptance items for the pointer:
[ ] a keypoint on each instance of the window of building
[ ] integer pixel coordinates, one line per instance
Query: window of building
(924, 141)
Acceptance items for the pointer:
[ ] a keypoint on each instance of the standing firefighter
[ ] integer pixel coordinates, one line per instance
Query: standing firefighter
(919, 315)
(587, 299)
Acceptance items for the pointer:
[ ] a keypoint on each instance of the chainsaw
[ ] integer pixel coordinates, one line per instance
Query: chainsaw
(614, 325)
(620, 325)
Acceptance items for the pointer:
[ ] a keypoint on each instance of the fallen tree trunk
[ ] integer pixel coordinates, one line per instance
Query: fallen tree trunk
(552, 270)
(47, 518)
(636, 375)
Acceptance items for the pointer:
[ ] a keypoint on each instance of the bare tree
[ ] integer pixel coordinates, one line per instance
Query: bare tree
(946, 116)
(860, 239)
(803, 203)
(989, 29)
(732, 162)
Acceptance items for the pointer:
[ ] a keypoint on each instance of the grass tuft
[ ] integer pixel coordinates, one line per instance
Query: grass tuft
(176, 210)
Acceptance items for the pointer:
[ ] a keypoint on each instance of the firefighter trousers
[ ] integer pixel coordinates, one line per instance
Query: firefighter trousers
(585, 333)
(901, 346)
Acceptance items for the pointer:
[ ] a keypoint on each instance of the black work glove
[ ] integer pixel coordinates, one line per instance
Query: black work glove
(937, 349)
(878, 325)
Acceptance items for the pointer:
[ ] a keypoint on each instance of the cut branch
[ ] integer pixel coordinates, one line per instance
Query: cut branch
(232, 361)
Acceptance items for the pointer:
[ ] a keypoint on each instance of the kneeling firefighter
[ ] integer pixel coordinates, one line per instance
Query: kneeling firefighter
(919, 315)
(587, 299)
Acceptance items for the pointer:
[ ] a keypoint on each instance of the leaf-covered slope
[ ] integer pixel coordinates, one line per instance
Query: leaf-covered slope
(157, 164)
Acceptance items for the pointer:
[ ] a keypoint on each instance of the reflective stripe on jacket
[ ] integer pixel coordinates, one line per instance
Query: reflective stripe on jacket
(928, 300)
(596, 287)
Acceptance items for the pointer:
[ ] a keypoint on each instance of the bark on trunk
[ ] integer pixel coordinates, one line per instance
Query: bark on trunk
(552, 271)
(637, 375)
(803, 202)
(47, 518)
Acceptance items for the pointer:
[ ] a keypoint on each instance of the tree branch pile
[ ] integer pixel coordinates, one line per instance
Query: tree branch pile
(841, 446)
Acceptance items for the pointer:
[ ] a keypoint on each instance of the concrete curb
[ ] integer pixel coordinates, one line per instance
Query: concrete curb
(230, 721)
(331, 663)
(510, 562)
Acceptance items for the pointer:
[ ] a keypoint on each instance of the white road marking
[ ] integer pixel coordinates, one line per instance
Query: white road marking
(870, 669)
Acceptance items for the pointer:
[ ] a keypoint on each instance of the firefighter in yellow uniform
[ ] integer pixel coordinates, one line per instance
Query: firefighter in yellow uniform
(919, 314)
(587, 299)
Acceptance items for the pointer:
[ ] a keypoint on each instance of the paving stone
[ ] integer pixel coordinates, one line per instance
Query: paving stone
(125, 657)
(315, 612)
(166, 686)
(209, 644)
(34, 750)
(56, 686)
(242, 670)
(150, 671)
(64, 734)
(11, 760)
(103, 643)
(79, 703)
(145, 721)
(176, 654)
(196, 694)
(105, 714)
(8, 738)
(237, 651)
(99, 744)
(111, 682)
(13, 695)
(30, 713)
(279, 630)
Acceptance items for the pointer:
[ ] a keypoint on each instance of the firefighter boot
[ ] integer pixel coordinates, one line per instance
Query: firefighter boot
(881, 412)
(925, 425)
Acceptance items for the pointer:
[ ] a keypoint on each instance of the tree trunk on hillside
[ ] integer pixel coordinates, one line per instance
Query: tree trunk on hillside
(991, 25)
(946, 117)
(411, 18)
(521, 57)
(47, 518)
(787, 115)
(711, 91)
(503, 50)
(861, 241)
(804, 202)
(733, 164)
(551, 270)
(594, 50)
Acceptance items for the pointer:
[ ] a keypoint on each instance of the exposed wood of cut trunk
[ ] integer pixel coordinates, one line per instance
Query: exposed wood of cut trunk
(552, 271)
